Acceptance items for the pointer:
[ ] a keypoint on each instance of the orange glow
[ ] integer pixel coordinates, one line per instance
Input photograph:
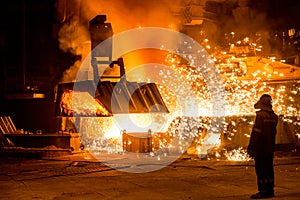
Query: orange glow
(81, 103)
(140, 57)
(245, 78)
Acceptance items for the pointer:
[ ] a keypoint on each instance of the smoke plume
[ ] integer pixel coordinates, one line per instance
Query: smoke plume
(72, 35)
(72, 38)
(123, 15)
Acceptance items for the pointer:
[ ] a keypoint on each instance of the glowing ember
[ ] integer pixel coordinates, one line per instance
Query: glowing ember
(239, 154)
(245, 78)
(99, 134)
(81, 104)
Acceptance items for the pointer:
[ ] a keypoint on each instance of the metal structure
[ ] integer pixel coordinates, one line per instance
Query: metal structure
(115, 97)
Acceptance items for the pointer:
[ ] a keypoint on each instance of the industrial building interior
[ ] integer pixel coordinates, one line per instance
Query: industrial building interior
(44, 43)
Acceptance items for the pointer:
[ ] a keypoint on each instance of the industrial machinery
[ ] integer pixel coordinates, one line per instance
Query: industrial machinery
(143, 97)
(246, 76)
(111, 97)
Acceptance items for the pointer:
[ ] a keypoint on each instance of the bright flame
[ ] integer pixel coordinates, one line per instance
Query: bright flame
(141, 120)
(81, 103)
(134, 122)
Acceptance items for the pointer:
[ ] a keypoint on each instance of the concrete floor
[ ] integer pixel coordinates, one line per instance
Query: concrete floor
(188, 178)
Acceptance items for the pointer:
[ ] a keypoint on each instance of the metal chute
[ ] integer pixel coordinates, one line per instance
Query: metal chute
(119, 97)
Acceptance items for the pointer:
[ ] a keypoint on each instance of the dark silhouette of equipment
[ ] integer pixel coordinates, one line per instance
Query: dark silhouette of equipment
(119, 96)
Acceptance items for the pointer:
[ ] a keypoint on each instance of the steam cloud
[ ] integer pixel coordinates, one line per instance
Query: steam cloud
(72, 38)
(72, 35)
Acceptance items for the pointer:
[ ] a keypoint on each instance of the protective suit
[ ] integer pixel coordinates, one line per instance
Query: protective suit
(262, 145)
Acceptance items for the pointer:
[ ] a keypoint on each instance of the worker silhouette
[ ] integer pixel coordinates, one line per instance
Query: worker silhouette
(261, 146)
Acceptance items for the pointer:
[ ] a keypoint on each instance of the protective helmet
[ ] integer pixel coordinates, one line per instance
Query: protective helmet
(264, 103)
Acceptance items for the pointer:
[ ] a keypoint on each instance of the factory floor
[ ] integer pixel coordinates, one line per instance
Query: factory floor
(80, 176)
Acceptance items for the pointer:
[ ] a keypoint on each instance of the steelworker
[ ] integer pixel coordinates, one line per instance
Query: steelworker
(262, 145)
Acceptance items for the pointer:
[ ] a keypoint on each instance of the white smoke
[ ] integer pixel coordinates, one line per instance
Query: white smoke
(73, 37)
